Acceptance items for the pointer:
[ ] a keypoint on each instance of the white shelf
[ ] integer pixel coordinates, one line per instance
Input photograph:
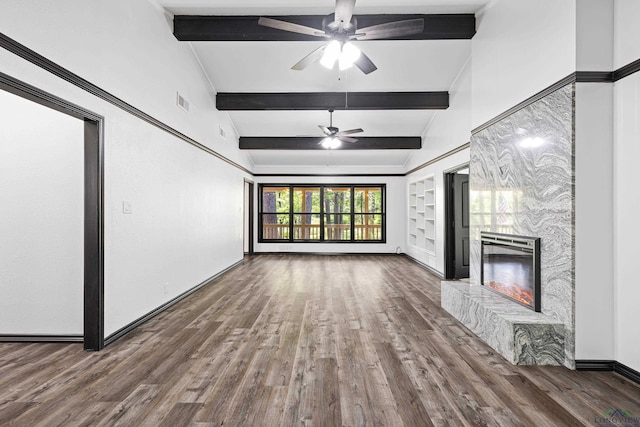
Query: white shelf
(422, 222)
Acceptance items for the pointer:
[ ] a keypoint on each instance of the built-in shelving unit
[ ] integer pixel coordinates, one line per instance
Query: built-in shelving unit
(422, 204)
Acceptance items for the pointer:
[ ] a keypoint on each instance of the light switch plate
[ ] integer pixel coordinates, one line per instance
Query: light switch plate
(127, 207)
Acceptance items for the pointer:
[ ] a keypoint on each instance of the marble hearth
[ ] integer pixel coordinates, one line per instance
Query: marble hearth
(520, 335)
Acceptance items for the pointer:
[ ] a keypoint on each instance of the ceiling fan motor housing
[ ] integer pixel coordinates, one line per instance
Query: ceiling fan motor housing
(333, 27)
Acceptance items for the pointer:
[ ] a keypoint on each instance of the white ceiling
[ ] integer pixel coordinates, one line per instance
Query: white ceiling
(430, 65)
(312, 7)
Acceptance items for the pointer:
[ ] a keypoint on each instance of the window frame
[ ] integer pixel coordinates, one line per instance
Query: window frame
(352, 215)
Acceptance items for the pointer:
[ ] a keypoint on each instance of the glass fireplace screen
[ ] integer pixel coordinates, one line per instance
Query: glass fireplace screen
(511, 267)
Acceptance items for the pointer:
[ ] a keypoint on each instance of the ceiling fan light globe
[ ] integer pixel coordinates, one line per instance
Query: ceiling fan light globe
(335, 143)
(349, 55)
(344, 63)
(331, 54)
(326, 142)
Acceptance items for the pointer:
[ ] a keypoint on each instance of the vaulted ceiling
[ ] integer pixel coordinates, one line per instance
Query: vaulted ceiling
(276, 110)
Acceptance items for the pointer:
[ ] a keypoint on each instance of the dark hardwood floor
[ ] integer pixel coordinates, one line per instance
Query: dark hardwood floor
(288, 340)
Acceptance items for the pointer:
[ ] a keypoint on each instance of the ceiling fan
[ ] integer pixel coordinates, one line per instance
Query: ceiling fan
(333, 136)
(341, 28)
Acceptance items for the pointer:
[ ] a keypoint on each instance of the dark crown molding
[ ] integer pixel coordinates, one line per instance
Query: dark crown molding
(440, 157)
(246, 28)
(627, 70)
(571, 78)
(577, 77)
(61, 72)
(593, 76)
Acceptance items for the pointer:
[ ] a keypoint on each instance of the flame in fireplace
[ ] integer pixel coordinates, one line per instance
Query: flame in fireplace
(513, 291)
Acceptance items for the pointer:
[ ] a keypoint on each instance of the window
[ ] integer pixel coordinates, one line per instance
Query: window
(322, 213)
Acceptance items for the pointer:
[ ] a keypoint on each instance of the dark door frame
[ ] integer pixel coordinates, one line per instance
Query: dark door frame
(93, 335)
(449, 244)
(249, 185)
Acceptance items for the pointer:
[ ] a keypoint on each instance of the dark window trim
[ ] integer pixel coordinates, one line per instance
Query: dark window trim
(291, 213)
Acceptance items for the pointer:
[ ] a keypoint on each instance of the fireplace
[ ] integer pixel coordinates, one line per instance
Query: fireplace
(511, 267)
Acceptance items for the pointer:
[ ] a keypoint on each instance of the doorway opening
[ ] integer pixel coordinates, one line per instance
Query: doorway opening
(456, 225)
(248, 217)
(93, 259)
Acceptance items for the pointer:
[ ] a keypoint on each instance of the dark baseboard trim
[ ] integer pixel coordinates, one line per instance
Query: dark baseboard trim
(35, 58)
(332, 175)
(439, 158)
(425, 266)
(42, 338)
(133, 325)
(609, 365)
(595, 365)
(326, 253)
(627, 372)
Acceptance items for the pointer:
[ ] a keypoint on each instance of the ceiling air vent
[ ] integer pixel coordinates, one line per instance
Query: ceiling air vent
(182, 102)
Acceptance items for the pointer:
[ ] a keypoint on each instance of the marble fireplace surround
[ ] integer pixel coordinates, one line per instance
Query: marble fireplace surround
(522, 182)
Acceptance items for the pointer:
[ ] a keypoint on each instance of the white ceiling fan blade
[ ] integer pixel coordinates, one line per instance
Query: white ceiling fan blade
(350, 131)
(391, 29)
(290, 26)
(346, 138)
(309, 59)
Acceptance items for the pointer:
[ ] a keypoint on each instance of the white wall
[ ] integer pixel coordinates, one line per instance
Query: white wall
(396, 216)
(186, 223)
(127, 48)
(626, 208)
(41, 219)
(594, 287)
(626, 199)
(626, 33)
(449, 129)
(594, 294)
(594, 35)
(520, 48)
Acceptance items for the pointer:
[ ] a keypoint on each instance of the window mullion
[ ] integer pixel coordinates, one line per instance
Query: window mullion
(322, 213)
(352, 217)
(291, 217)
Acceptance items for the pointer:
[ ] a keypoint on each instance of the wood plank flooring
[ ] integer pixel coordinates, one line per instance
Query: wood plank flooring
(292, 340)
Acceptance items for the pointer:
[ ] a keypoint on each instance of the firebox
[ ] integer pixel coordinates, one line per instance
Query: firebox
(511, 267)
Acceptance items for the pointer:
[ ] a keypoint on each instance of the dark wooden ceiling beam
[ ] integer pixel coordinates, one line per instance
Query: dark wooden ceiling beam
(335, 100)
(312, 143)
(246, 28)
